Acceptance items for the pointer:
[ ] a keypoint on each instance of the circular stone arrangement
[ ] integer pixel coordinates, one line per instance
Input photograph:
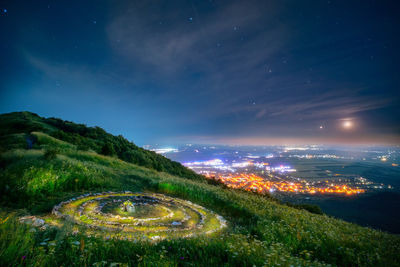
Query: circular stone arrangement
(130, 215)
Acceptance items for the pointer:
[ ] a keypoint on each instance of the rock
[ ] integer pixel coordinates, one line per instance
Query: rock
(38, 222)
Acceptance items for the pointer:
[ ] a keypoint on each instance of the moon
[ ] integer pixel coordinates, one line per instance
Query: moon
(347, 124)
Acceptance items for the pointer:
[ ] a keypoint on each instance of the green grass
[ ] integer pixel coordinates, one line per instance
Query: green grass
(47, 141)
(260, 231)
(65, 135)
(199, 221)
(284, 234)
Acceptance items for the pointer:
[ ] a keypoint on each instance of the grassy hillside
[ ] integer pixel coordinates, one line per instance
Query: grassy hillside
(260, 230)
(17, 125)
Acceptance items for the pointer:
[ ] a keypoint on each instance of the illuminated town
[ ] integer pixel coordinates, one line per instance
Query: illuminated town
(241, 175)
(255, 183)
(273, 172)
(287, 171)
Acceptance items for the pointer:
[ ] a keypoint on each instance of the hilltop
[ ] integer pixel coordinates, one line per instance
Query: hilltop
(83, 138)
(55, 177)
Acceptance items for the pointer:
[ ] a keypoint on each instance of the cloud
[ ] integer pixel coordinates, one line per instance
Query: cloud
(244, 69)
(328, 105)
(237, 67)
(169, 47)
(257, 140)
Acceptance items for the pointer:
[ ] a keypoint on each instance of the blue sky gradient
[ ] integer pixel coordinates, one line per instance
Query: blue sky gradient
(236, 72)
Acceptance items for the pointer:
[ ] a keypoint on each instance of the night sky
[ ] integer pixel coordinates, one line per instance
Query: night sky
(232, 72)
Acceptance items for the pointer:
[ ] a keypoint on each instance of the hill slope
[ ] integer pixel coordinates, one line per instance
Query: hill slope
(260, 231)
(12, 125)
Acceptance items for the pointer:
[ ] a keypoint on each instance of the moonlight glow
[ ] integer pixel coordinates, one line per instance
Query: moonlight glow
(347, 124)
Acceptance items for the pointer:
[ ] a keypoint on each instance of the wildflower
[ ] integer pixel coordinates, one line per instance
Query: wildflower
(3, 221)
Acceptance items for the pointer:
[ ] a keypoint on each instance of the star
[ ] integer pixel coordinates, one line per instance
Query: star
(5, 10)
(321, 127)
(94, 22)
(190, 19)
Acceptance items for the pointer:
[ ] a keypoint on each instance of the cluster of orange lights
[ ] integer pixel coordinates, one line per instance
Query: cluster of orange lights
(252, 182)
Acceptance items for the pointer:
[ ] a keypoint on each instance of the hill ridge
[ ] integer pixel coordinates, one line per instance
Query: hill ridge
(94, 138)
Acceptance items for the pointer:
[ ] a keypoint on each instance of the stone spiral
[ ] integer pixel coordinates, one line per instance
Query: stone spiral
(128, 215)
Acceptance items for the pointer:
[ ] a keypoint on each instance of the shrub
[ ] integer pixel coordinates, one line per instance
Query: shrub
(108, 149)
(308, 207)
(50, 153)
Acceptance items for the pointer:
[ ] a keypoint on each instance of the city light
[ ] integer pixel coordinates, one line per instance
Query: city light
(165, 150)
(213, 162)
(241, 164)
(280, 169)
(207, 166)
(252, 182)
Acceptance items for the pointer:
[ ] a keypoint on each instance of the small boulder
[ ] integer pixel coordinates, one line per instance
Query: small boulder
(38, 222)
